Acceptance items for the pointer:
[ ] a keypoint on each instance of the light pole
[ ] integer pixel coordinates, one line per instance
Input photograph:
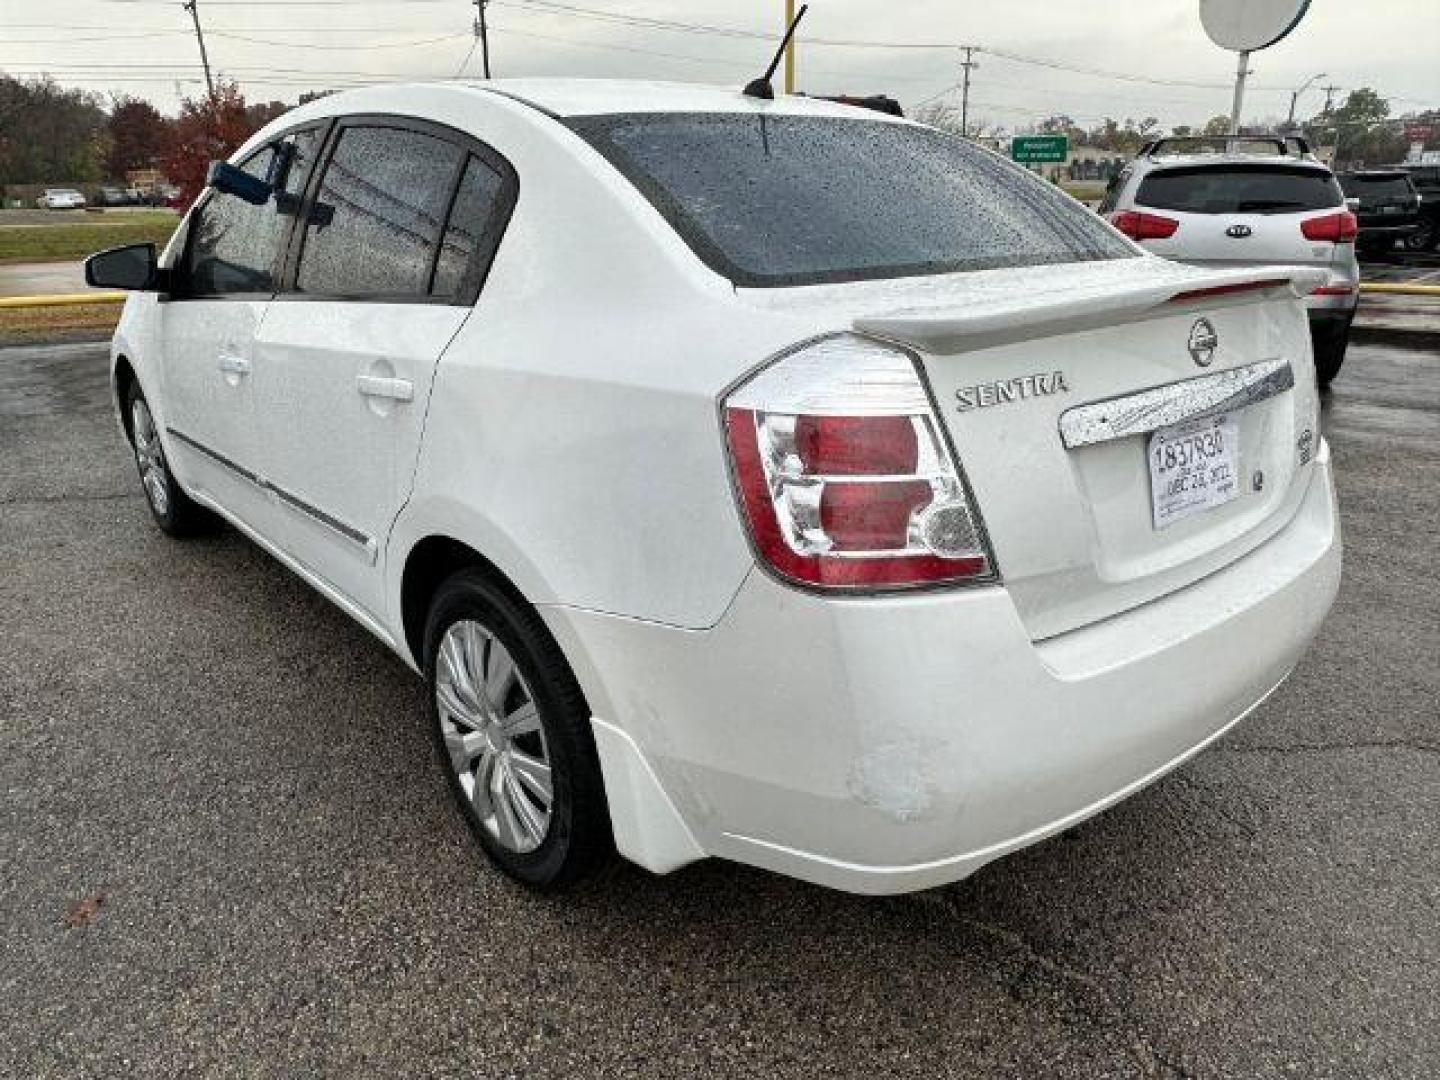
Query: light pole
(1290, 120)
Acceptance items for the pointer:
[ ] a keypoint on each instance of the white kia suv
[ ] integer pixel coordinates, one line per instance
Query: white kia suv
(770, 480)
(1247, 201)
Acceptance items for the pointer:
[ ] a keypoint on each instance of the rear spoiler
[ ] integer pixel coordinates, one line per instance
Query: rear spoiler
(945, 329)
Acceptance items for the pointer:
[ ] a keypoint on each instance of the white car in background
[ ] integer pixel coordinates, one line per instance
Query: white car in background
(768, 480)
(1247, 201)
(60, 199)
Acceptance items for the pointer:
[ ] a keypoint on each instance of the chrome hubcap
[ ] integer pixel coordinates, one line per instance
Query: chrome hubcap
(493, 736)
(149, 457)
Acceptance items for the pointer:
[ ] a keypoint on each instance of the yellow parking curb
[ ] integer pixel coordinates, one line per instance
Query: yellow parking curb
(62, 300)
(1399, 289)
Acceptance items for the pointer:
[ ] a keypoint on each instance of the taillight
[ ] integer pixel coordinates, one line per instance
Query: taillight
(1336, 228)
(1140, 226)
(843, 474)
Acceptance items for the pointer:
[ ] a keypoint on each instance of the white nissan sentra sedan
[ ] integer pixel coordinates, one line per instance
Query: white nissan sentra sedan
(769, 480)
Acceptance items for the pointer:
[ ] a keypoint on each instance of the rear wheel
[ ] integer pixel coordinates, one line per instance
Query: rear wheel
(513, 735)
(174, 511)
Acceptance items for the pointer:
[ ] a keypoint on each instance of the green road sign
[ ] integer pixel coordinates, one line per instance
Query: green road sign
(1039, 149)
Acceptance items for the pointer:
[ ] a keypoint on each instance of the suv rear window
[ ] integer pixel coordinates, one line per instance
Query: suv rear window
(801, 200)
(1239, 189)
(1383, 184)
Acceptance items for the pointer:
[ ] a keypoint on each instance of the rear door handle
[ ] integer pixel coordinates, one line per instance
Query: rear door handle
(378, 386)
(234, 365)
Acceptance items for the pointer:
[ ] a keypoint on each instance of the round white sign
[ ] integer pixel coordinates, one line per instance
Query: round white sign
(1247, 25)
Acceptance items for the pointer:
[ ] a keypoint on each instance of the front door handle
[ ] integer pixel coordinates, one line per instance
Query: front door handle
(378, 386)
(234, 365)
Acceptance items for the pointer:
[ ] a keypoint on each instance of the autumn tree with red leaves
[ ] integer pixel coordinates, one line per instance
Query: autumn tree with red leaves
(209, 128)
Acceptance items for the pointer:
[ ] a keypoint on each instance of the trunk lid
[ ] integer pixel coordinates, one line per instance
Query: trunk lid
(1025, 366)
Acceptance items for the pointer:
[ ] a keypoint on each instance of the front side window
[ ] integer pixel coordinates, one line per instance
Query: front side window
(234, 245)
(799, 200)
(379, 214)
(1239, 189)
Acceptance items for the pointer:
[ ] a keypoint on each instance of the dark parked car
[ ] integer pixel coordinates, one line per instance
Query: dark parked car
(1388, 207)
(1426, 179)
(111, 196)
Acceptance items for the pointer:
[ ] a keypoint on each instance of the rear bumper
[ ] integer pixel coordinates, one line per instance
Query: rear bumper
(889, 744)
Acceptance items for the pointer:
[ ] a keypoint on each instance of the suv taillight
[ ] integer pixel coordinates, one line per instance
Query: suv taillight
(1337, 228)
(843, 475)
(1140, 226)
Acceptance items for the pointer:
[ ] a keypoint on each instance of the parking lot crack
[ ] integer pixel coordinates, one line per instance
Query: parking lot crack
(44, 500)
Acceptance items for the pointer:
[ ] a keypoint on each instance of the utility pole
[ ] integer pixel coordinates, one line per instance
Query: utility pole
(1330, 92)
(189, 6)
(1242, 71)
(1295, 97)
(789, 49)
(968, 64)
(483, 33)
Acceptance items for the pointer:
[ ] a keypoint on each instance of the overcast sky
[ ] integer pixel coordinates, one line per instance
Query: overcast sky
(147, 47)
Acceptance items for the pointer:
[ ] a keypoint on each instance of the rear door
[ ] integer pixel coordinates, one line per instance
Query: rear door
(1241, 213)
(402, 221)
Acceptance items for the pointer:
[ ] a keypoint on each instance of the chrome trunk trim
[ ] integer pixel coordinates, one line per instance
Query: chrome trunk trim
(1160, 406)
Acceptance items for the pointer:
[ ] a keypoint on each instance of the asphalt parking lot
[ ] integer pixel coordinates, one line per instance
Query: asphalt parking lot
(225, 847)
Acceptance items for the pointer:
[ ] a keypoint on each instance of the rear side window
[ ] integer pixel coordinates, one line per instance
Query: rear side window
(798, 200)
(1239, 189)
(475, 222)
(375, 229)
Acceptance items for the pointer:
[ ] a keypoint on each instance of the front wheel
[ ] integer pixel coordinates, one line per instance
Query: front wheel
(174, 511)
(512, 731)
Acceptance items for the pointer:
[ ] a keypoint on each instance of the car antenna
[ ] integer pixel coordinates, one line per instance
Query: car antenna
(761, 88)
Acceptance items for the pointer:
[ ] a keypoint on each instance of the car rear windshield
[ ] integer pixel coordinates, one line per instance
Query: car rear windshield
(801, 200)
(1384, 184)
(1239, 189)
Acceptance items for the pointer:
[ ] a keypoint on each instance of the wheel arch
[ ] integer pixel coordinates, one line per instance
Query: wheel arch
(122, 378)
(431, 560)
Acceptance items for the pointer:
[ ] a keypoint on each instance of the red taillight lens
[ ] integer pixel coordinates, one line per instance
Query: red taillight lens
(843, 474)
(856, 445)
(1139, 226)
(872, 517)
(1336, 228)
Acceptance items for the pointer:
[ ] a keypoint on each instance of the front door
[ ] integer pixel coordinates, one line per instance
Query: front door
(223, 279)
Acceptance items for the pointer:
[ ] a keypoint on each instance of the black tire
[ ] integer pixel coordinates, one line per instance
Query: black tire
(175, 512)
(578, 840)
(1330, 345)
(1425, 238)
(1374, 246)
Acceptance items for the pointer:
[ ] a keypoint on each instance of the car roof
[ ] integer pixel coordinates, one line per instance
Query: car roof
(591, 97)
(1190, 161)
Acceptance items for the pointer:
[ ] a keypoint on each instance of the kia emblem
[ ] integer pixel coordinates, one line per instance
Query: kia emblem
(1238, 232)
(1203, 342)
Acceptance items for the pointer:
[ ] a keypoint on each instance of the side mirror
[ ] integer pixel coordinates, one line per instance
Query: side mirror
(131, 267)
(231, 180)
(1352, 204)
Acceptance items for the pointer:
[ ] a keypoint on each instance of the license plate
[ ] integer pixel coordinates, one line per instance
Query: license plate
(1193, 468)
(1391, 209)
